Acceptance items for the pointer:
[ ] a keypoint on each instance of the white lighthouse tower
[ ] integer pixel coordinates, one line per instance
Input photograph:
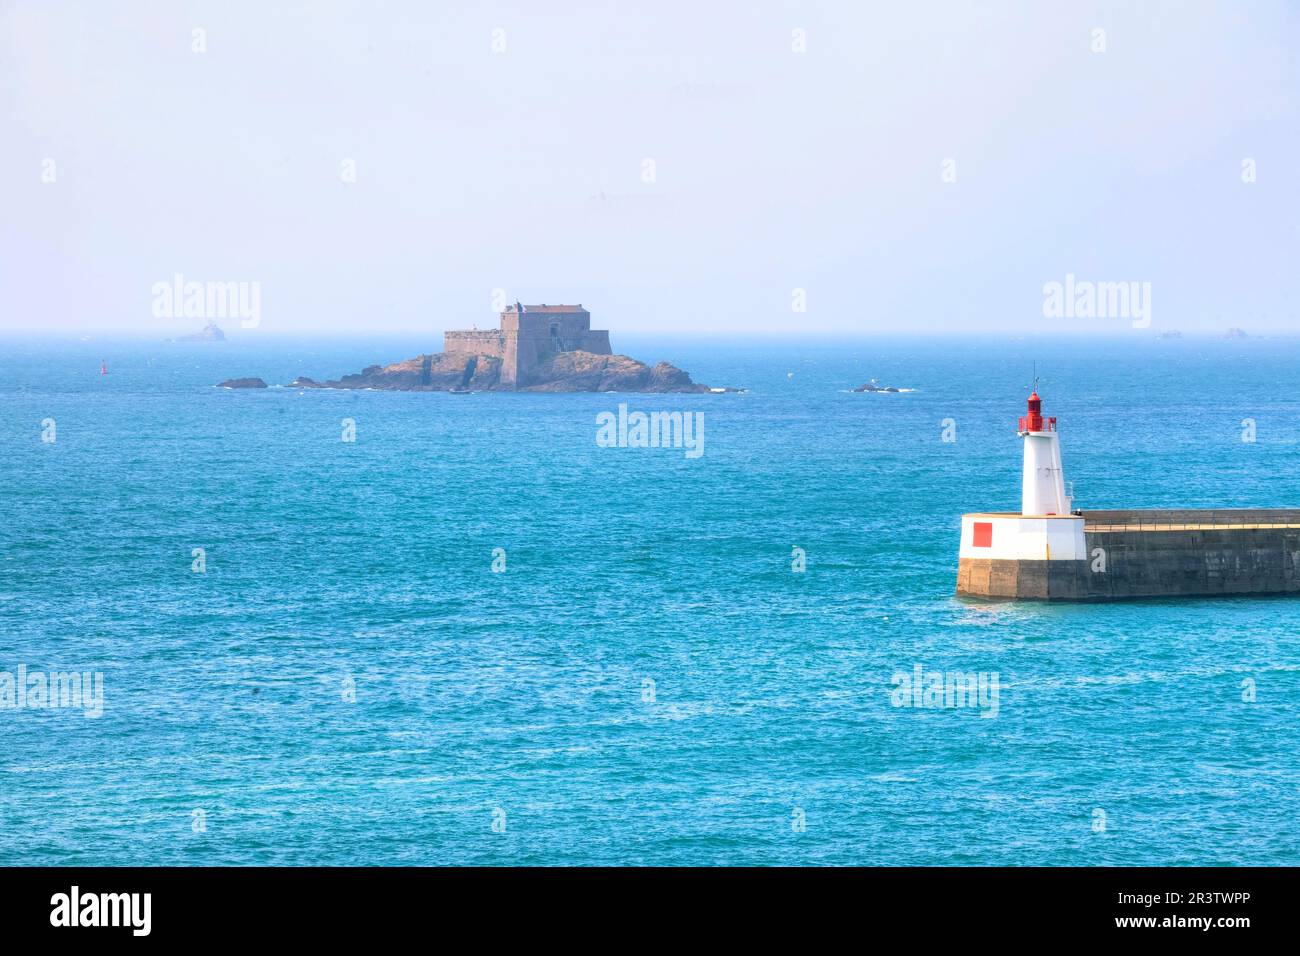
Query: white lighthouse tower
(1042, 481)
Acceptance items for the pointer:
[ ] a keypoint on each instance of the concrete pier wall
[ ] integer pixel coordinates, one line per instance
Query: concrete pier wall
(1133, 554)
(1029, 580)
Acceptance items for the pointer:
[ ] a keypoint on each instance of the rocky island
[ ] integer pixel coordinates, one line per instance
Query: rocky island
(871, 386)
(210, 333)
(539, 348)
(242, 383)
(561, 372)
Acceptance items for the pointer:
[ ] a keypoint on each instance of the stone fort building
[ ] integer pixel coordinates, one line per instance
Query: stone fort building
(528, 335)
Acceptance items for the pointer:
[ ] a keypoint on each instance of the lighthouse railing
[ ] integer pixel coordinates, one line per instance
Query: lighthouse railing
(1036, 423)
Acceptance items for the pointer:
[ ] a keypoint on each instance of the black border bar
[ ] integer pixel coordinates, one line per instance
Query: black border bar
(333, 905)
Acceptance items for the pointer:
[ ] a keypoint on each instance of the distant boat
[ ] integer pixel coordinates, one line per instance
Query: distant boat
(459, 391)
(103, 368)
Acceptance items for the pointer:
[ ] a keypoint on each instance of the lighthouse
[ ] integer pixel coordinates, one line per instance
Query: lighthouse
(1047, 551)
(1038, 551)
(1042, 481)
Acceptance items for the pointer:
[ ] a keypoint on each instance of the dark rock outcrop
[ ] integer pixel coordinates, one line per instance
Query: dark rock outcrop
(558, 372)
(242, 383)
(588, 372)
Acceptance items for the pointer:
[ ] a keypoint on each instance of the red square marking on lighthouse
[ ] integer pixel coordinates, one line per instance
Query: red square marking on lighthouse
(983, 534)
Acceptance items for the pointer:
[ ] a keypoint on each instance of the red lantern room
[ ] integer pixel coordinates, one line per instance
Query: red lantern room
(1032, 420)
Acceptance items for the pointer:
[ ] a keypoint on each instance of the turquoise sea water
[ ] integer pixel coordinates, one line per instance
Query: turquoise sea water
(647, 682)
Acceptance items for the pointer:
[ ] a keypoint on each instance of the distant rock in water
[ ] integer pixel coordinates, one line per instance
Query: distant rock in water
(210, 333)
(1235, 333)
(871, 386)
(556, 372)
(242, 383)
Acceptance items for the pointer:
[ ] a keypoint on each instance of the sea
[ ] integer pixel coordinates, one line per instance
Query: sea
(382, 628)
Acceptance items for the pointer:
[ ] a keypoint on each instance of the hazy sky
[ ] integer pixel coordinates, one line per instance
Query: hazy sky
(526, 169)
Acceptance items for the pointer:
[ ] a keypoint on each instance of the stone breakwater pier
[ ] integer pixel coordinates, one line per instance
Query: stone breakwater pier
(1048, 551)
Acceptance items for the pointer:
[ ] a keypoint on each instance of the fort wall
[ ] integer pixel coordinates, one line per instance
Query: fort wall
(525, 338)
(489, 342)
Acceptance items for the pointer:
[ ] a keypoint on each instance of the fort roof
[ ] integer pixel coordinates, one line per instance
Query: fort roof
(550, 308)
